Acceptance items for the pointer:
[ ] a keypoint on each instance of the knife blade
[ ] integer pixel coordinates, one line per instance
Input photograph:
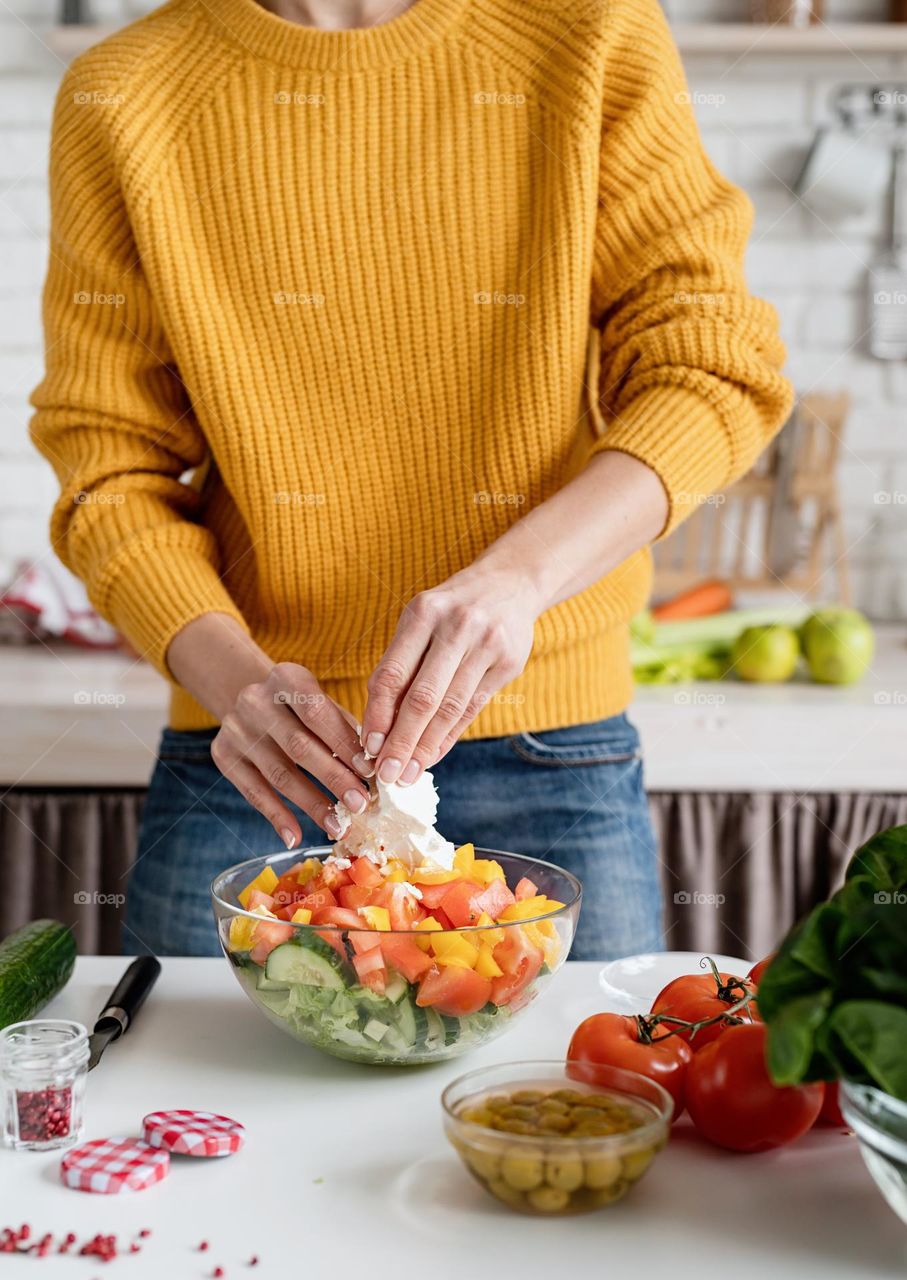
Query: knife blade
(122, 1005)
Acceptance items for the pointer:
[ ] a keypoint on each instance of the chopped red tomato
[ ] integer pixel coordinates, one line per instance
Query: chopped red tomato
(354, 896)
(268, 935)
(320, 900)
(521, 962)
(456, 992)
(404, 909)
(370, 970)
(362, 940)
(495, 898)
(364, 872)
(340, 916)
(433, 894)
(461, 902)
(331, 875)
(403, 955)
(259, 899)
(525, 889)
(288, 889)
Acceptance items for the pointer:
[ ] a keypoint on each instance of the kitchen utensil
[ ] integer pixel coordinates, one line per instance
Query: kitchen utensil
(125, 1000)
(305, 979)
(887, 279)
(553, 1174)
(843, 175)
(783, 539)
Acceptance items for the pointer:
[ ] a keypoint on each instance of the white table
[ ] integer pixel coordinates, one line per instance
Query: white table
(348, 1165)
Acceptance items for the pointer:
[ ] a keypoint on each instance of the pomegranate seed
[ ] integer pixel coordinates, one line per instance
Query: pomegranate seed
(144, 1233)
(24, 1231)
(203, 1246)
(218, 1272)
(253, 1261)
(134, 1248)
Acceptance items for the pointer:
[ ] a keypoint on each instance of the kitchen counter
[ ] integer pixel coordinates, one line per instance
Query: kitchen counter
(70, 718)
(344, 1162)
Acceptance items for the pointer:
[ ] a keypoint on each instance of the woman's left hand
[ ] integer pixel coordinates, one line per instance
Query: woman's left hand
(455, 646)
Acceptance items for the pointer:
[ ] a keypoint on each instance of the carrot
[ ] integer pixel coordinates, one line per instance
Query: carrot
(713, 596)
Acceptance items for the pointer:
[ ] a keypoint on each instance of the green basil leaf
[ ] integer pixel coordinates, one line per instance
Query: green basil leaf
(791, 1038)
(883, 859)
(873, 1035)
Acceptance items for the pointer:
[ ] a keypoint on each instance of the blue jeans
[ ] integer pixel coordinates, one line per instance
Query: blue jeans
(572, 796)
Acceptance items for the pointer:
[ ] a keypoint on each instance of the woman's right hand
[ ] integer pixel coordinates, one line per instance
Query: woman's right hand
(271, 726)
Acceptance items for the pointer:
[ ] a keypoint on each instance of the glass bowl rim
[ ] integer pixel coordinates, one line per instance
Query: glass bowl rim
(659, 1123)
(854, 1090)
(324, 851)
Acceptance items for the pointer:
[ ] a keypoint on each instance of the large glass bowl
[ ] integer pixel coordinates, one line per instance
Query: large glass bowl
(312, 993)
(880, 1123)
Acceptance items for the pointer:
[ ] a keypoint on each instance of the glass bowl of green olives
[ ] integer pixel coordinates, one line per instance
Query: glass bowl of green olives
(550, 1138)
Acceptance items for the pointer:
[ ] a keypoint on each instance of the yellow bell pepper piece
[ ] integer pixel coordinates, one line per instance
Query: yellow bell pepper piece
(529, 907)
(454, 944)
(428, 925)
(464, 858)
(451, 961)
(302, 915)
(431, 875)
(242, 928)
(376, 918)
(486, 965)
(396, 872)
(492, 934)
(486, 869)
(308, 871)
(266, 881)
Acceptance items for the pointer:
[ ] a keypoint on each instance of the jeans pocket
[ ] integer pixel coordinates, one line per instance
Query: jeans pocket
(610, 741)
(186, 746)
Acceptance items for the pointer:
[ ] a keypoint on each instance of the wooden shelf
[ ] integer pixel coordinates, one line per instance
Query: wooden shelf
(738, 39)
(744, 38)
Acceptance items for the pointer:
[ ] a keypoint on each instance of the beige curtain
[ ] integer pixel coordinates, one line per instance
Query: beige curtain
(738, 869)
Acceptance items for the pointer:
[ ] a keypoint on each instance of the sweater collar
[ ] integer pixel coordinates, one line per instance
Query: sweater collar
(265, 35)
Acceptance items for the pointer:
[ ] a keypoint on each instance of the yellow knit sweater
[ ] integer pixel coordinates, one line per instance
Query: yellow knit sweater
(347, 279)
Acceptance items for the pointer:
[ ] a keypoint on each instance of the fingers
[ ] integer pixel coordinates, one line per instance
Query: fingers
(295, 687)
(250, 784)
(263, 774)
(486, 689)
(436, 700)
(391, 678)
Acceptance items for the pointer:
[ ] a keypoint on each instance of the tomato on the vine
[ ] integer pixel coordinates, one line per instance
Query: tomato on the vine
(619, 1040)
(696, 997)
(831, 1113)
(755, 974)
(733, 1102)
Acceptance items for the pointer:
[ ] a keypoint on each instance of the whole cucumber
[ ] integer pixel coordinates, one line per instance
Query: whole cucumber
(35, 963)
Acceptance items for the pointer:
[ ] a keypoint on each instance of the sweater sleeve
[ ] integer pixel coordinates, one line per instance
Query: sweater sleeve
(112, 415)
(689, 379)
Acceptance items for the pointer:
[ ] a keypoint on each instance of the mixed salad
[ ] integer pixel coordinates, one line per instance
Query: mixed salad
(400, 963)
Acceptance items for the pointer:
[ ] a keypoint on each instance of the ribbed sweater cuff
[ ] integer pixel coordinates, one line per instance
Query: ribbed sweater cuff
(682, 438)
(151, 599)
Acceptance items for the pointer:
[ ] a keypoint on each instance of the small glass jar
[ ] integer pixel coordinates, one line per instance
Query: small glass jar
(43, 1068)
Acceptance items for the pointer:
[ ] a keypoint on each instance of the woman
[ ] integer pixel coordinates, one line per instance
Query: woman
(346, 278)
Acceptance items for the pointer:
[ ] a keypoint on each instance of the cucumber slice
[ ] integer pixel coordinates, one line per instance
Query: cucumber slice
(268, 984)
(396, 989)
(314, 965)
(434, 1030)
(452, 1029)
(405, 1022)
(375, 1030)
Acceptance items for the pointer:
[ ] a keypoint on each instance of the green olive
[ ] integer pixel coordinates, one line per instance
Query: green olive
(635, 1165)
(549, 1199)
(564, 1171)
(497, 1102)
(568, 1095)
(518, 1113)
(498, 1187)
(523, 1170)
(554, 1124)
(602, 1171)
(527, 1097)
(484, 1163)
(515, 1126)
(477, 1115)
(608, 1195)
(553, 1106)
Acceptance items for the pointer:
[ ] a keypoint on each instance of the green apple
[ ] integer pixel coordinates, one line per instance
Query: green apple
(766, 654)
(838, 645)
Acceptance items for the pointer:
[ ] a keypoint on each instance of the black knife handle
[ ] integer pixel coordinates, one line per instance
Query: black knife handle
(130, 993)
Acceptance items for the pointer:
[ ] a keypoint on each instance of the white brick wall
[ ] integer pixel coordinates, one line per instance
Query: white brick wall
(757, 114)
